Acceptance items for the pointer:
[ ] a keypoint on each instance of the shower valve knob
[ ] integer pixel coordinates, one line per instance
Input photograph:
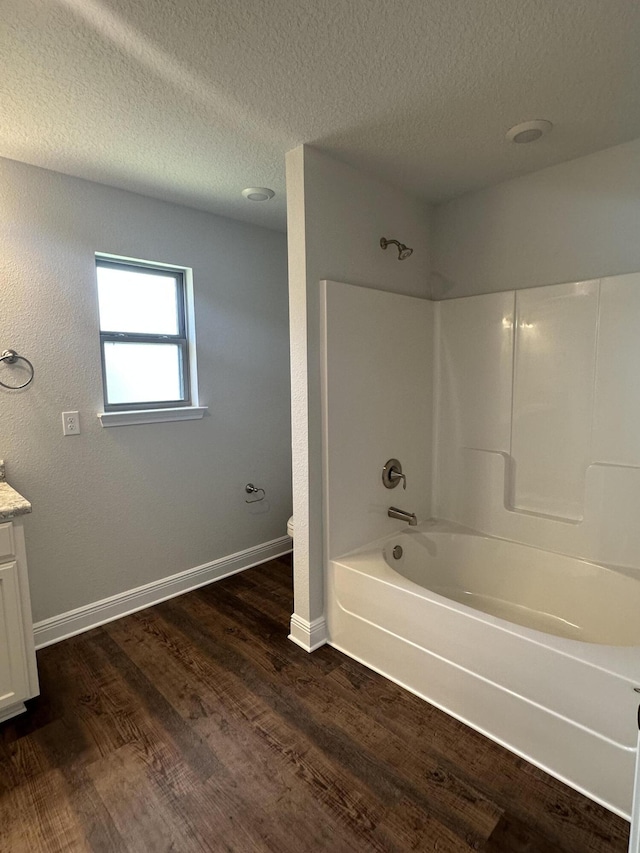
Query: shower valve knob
(392, 475)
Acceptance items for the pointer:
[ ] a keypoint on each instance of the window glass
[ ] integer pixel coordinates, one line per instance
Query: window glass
(143, 335)
(142, 372)
(134, 300)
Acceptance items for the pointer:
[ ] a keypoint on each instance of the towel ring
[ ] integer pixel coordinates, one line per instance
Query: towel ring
(250, 489)
(11, 356)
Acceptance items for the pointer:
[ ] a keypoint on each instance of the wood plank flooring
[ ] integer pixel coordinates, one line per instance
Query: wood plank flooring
(196, 725)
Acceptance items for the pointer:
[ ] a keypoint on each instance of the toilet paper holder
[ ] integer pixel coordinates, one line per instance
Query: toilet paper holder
(250, 489)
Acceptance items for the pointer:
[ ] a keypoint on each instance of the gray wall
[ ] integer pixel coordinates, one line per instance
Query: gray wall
(337, 215)
(117, 508)
(575, 221)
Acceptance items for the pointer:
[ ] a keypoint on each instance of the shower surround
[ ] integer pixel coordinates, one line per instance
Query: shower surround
(538, 417)
(513, 414)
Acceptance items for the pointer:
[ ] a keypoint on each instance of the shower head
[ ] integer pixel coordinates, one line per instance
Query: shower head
(403, 251)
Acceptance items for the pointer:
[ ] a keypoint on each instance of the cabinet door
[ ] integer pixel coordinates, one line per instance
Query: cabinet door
(13, 669)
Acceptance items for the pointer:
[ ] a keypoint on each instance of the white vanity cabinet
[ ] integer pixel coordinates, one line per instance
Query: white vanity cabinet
(18, 672)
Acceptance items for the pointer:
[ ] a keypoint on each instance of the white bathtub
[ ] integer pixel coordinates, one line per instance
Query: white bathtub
(538, 651)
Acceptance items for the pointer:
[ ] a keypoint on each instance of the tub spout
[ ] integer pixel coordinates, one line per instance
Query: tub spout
(409, 517)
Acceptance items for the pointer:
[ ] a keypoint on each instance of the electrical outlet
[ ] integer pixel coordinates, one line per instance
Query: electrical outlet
(70, 423)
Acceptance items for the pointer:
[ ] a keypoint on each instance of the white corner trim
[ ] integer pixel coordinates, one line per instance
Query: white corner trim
(57, 628)
(308, 635)
(151, 416)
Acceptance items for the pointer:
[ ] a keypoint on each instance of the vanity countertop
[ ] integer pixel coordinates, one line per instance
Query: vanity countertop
(11, 503)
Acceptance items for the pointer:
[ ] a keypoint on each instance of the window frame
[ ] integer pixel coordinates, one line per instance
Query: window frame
(182, 339)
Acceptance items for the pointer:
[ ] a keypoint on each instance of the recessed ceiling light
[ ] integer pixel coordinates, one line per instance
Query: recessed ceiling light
(529, 131)
(258, 193)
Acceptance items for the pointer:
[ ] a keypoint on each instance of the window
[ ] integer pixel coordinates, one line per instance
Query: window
(143, 336)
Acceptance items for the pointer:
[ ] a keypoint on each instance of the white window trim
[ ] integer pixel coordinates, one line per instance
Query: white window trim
(151, 416)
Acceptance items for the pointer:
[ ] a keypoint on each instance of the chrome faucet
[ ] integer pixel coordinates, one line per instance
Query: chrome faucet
(409, 517)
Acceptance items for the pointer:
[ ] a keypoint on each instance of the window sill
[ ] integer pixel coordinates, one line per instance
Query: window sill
(151, 416)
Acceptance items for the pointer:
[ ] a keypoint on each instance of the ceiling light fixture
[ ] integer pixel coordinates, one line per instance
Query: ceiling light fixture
(258, 193)
(529, 131)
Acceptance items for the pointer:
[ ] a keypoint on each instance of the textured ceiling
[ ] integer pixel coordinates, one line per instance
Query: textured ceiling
(192, 100)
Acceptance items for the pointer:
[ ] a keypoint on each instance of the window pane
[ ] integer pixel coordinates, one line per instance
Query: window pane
(139, 301)
(142, 373)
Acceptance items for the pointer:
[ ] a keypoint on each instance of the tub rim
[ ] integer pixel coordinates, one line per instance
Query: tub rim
(623, 661)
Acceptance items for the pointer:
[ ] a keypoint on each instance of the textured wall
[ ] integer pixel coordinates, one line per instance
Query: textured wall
(337, 216)
(116, 508)
(578, 220)
(538, 416)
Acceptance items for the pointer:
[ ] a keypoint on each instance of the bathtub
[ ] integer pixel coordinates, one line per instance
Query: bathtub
(538, 651)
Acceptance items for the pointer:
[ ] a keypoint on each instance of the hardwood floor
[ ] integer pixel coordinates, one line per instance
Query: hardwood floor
(196, 725)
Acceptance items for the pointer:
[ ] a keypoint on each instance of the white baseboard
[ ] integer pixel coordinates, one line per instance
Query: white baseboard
(13, 711)
(308, 635)
(89, 616)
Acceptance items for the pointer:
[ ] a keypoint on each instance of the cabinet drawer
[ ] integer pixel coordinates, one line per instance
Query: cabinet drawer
(7, 547)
